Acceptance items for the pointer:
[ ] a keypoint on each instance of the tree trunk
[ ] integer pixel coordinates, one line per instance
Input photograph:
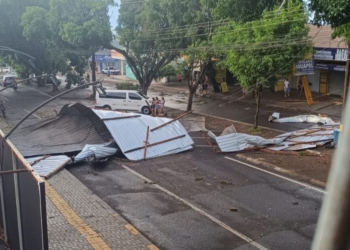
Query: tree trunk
(257, 99)
(93, 74)
(190, 98)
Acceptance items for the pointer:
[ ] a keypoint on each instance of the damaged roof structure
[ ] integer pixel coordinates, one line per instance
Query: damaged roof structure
(73, 128)
(137, 136)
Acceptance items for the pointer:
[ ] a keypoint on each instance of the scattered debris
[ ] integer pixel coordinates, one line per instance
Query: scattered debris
(303, 118)
(199, 178)
(233, 209)
(150, 182)
(96, 152)
(317, 135)
(229, 130)
(226, 183)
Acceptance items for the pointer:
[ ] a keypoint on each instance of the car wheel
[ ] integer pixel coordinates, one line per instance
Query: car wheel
(146, 111)
(107, 107)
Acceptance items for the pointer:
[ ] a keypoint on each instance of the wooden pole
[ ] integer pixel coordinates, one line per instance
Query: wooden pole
(146, 144)
(119, 118)
(155, 144)
(14, 171)
(167, 123)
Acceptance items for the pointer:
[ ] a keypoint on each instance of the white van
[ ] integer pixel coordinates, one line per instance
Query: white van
(130, 100)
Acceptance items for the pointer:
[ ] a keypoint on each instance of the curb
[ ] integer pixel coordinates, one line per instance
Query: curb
(281, 170)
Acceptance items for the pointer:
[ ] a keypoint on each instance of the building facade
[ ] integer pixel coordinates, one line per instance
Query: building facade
(325, 67)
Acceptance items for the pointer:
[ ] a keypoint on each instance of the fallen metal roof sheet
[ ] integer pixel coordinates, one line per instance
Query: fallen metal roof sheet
(130, 134)
(237, 142)
(303, 118)
(74, 127)
(46, 167)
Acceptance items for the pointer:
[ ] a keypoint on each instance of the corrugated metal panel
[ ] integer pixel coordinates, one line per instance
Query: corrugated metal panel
(238, 142)
(75, 127)
(131, 133)
(306, 118)
(96, 150)
(50, 165)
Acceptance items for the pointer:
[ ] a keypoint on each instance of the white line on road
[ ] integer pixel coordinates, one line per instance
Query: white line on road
(5, 98)
(38, 117)
(277, 175)
(220, 223)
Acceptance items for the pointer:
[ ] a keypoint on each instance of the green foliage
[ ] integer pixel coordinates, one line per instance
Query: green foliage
(168, 71)
(258, 50)
(238, 10)
(336, 13)
(127, 86)
(154, 32)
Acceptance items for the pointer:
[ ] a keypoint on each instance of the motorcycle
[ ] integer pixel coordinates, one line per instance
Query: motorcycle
(15, 86)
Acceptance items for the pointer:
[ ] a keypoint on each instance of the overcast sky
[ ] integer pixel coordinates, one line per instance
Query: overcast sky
(113, 13)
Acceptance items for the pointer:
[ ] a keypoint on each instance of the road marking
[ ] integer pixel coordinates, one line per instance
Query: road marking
(152, 247)
(220, 223)
(38, 117)
(73, 218)
(5, 98)
(277, 175)
(132, 230)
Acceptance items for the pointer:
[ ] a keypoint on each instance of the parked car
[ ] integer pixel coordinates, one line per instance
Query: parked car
(7, 81)
(130, 100)
(111, 70)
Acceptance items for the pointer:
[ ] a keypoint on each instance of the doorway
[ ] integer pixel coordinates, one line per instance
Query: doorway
(324, 82)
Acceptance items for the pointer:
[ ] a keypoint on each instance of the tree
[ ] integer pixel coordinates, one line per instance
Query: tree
(238, 10)
(75, 29)
(336, 13)
(11, 36)
(153, 33)
(257, 51)
(167, 71)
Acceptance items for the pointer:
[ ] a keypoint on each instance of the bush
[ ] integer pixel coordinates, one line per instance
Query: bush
(127, 86)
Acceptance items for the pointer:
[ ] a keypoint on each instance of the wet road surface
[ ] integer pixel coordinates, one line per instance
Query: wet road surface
(272, 212)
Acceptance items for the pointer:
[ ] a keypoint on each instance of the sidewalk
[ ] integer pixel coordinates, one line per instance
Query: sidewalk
(325, 104)
(78, 219)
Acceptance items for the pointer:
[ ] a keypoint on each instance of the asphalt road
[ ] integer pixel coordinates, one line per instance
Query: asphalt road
(194, 212)
(272, 212)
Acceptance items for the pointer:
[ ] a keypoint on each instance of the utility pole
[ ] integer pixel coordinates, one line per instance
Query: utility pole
(93, 67)
(346, 81)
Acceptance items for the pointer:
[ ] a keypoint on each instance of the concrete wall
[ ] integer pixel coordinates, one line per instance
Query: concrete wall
(128, 72)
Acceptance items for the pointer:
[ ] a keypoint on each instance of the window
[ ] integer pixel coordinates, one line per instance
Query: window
(116, 95)
(133, 96)
(143, 95)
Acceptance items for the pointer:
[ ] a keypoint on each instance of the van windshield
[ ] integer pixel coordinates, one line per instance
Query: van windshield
(142, 94)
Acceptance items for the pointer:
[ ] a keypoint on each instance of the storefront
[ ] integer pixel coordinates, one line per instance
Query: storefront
(104, 60)
(325, 71)
(329, 75)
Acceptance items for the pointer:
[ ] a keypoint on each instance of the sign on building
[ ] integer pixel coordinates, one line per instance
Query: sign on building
(304, 67)
(331, 67)
(331, 54)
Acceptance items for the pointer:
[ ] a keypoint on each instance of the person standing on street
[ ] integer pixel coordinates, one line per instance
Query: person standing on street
(108, 73)
(286, 88)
